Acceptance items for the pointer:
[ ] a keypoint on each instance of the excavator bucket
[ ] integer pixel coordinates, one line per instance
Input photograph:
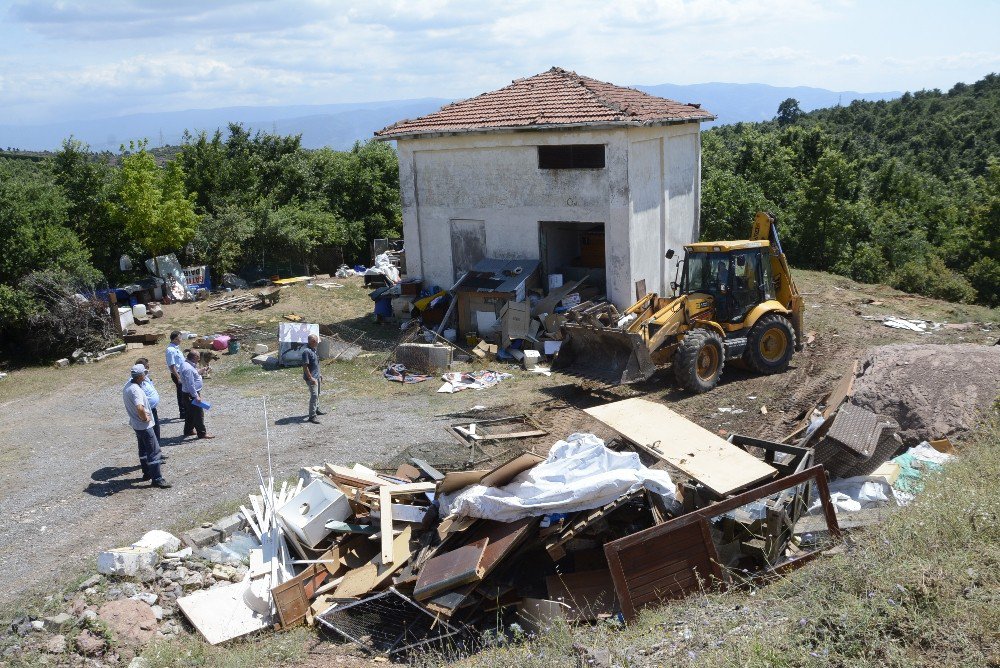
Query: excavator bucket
(604, 354)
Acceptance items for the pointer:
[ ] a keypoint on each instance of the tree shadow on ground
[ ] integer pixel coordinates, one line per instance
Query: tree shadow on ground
(110, 480)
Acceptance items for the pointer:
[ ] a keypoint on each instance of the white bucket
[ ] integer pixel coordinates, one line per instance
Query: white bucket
(139, 311)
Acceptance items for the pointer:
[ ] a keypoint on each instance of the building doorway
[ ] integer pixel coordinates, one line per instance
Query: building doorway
(468, 244)
(574, 250)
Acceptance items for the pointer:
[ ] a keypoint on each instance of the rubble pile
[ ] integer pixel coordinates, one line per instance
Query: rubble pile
(129, 603)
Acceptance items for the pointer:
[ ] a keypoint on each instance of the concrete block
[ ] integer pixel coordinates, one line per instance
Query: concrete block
(428, 357)
(531, 358)
(126, 560)
(158, 540)
(200, 537)
(61, 363)
(227, 526)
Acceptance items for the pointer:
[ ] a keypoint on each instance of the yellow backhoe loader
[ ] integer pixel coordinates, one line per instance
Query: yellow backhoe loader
(736, 301)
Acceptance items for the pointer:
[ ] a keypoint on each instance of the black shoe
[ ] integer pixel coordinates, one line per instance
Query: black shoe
(319, 412)
(161, 483)
(313, 420)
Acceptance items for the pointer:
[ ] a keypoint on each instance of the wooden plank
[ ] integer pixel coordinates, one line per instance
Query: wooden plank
(697, 452)
(456, 480)
(450, 570)
(385, 523)
(352, 477)
(841, 391)
(506, 472)
(360, 581)
(428, 470)
(412, 488)
(504, 538)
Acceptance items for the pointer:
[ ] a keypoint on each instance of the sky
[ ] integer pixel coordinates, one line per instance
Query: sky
(75, 59)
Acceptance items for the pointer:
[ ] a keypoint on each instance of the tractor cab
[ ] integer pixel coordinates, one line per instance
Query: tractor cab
(735, 275)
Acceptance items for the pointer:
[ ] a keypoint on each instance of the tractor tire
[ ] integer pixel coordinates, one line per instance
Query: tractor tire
(770, 345)
(699, 360)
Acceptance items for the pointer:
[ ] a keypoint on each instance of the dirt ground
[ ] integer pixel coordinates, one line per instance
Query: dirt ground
(69, 475)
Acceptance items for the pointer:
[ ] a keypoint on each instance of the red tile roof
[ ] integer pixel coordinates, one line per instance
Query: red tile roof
(553, 98)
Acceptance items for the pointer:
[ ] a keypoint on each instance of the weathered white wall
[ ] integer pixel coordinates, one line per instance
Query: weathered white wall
(495, 178)
(664, 176)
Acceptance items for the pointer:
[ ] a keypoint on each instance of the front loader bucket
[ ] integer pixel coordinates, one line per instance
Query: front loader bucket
(603, 353)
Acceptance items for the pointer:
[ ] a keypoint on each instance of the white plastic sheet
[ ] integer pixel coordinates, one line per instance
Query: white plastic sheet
(579, 474)
(383, 265)
(849, 495)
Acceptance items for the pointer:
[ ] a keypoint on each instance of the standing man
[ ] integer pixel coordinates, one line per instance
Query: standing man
(152, 395)
(140, 417)
(174, 361)
(312, 376)
(191, 384)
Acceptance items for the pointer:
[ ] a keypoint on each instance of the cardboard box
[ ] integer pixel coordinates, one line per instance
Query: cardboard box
(515, 321)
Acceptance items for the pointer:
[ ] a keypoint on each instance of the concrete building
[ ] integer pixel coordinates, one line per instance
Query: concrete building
(583, 175)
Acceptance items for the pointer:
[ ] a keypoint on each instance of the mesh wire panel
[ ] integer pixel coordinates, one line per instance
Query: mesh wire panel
(387, 623)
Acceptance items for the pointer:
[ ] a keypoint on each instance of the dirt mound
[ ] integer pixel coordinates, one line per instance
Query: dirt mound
(932, 391)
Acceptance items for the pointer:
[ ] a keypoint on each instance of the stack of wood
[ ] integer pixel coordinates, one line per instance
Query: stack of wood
(233, 303)
(595, 314)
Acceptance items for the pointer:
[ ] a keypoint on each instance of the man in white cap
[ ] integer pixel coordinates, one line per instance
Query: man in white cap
(140, 417)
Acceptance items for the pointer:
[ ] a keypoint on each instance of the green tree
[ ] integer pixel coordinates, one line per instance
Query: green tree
(85, 180)
(788, 111)
(152, 205)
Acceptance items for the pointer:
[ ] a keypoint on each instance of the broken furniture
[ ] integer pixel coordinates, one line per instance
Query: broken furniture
(672, 559)
(496, 429)
(487, 287)
(856, 442)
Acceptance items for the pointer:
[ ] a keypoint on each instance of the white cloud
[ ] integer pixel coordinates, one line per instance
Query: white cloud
(117, 56)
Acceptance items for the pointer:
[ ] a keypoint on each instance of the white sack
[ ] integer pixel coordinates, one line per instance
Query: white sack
(579, 474)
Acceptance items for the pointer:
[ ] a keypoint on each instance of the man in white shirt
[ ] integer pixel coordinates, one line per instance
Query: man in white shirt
(192, 383)
(140, 417)
(174, 361)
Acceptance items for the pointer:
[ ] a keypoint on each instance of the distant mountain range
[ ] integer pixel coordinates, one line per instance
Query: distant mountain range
(340, 125)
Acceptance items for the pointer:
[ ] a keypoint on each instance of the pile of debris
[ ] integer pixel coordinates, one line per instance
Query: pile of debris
(590, 531)
(81, 356)
(497, 309)
(447, 558)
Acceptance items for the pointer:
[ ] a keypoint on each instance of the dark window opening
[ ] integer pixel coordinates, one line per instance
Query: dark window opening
(574, 156)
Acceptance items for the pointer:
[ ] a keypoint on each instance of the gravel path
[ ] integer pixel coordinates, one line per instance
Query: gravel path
(69, 470)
